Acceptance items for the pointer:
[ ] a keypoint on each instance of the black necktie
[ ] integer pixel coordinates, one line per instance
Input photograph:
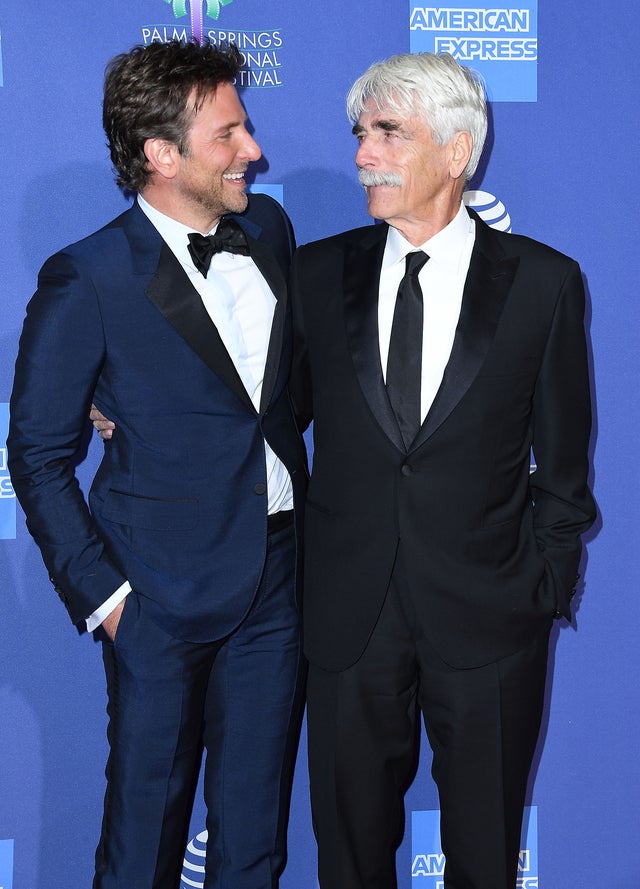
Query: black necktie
(404, 365)
(229, 236)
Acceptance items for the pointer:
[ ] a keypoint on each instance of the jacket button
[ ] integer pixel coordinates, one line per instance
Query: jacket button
(406, 469)
(259, 488)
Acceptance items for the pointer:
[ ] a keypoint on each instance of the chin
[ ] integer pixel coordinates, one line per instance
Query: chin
(378, 210)
(238, 204)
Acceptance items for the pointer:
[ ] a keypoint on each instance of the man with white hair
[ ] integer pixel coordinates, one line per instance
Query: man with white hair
(434, 354)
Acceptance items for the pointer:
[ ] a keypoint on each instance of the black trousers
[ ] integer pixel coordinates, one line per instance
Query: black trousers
(482, 725)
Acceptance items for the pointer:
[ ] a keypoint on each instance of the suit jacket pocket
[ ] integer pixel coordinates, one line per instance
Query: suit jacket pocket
(153, 513)
(495, 544)
(318, 507)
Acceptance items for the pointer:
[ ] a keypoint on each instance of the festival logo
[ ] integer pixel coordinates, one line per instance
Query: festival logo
(260, 48)
(428, 861)
(7, 494)
(6, 864)
(501, 43)
(489, 209)
(213, 9)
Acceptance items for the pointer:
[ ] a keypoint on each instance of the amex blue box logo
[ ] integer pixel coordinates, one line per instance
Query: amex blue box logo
(274, 191)
(500, 42)
(427, 860)
(6, 864)
(7, 495)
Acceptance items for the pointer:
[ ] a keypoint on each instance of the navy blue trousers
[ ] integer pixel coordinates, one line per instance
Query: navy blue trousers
(238, 700)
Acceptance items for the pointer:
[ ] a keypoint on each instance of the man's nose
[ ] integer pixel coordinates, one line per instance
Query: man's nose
(250, 149)
(365, 154)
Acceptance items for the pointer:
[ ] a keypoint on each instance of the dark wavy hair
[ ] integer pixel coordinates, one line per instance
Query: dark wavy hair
(147, 94)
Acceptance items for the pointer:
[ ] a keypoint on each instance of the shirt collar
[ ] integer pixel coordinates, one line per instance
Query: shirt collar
(174, 233)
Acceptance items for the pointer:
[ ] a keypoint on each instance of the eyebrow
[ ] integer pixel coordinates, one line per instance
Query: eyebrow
(389, 126)
(230, 125)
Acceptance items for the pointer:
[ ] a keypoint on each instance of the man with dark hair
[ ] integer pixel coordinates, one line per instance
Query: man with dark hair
(174, 320)
(434, 354)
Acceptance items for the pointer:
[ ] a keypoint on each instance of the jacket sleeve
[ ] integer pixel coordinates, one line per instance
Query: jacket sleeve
(563, 505)
(59, 360)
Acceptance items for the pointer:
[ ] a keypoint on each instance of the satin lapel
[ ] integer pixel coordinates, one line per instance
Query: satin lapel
(486, 289)
(268, 266)
(180, 303)
(361, 283)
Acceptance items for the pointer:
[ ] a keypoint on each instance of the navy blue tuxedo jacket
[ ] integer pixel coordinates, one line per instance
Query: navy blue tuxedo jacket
(179, 503)
(491, 551)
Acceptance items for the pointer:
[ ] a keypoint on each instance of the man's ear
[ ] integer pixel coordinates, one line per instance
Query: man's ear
(461, 148)
(162, 157)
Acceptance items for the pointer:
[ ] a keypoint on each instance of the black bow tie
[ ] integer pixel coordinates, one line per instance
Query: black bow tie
(229, 236)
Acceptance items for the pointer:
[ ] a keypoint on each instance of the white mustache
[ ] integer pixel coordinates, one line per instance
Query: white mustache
(372, 177)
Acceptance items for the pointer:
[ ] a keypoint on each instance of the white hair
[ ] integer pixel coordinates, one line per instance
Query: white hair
(449, 97)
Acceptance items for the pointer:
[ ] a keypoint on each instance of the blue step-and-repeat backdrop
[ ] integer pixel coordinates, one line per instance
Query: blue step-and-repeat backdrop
(561, 165)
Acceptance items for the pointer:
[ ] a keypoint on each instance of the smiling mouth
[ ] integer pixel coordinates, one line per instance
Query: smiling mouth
(234, 177)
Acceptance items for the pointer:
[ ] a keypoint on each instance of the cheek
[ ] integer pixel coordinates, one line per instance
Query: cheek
(424, 172)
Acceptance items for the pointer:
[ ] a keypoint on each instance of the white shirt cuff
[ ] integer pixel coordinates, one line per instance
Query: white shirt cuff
(94, 620)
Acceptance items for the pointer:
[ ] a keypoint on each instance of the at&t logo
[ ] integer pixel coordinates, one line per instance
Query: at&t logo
(193, 864)
(489, 209)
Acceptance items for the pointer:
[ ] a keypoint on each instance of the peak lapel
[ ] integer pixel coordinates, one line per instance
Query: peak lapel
(270, 270)
(361, 285)
(486, 289)
(179, 302)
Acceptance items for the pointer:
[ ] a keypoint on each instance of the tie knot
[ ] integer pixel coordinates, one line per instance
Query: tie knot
(229, 237)
(415, 260)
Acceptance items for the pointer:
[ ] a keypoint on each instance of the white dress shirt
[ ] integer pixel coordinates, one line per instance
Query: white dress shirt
(241, 305)
(442, 282)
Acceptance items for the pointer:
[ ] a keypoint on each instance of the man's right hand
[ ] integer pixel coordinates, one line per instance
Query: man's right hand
(110, 623)
(103, 427)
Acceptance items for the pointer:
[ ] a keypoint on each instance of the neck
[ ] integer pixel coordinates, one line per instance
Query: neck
(419, 228)
(193, 216)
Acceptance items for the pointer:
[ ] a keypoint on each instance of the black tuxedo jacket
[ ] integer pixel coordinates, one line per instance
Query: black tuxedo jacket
(179, 503)
(492, 551)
